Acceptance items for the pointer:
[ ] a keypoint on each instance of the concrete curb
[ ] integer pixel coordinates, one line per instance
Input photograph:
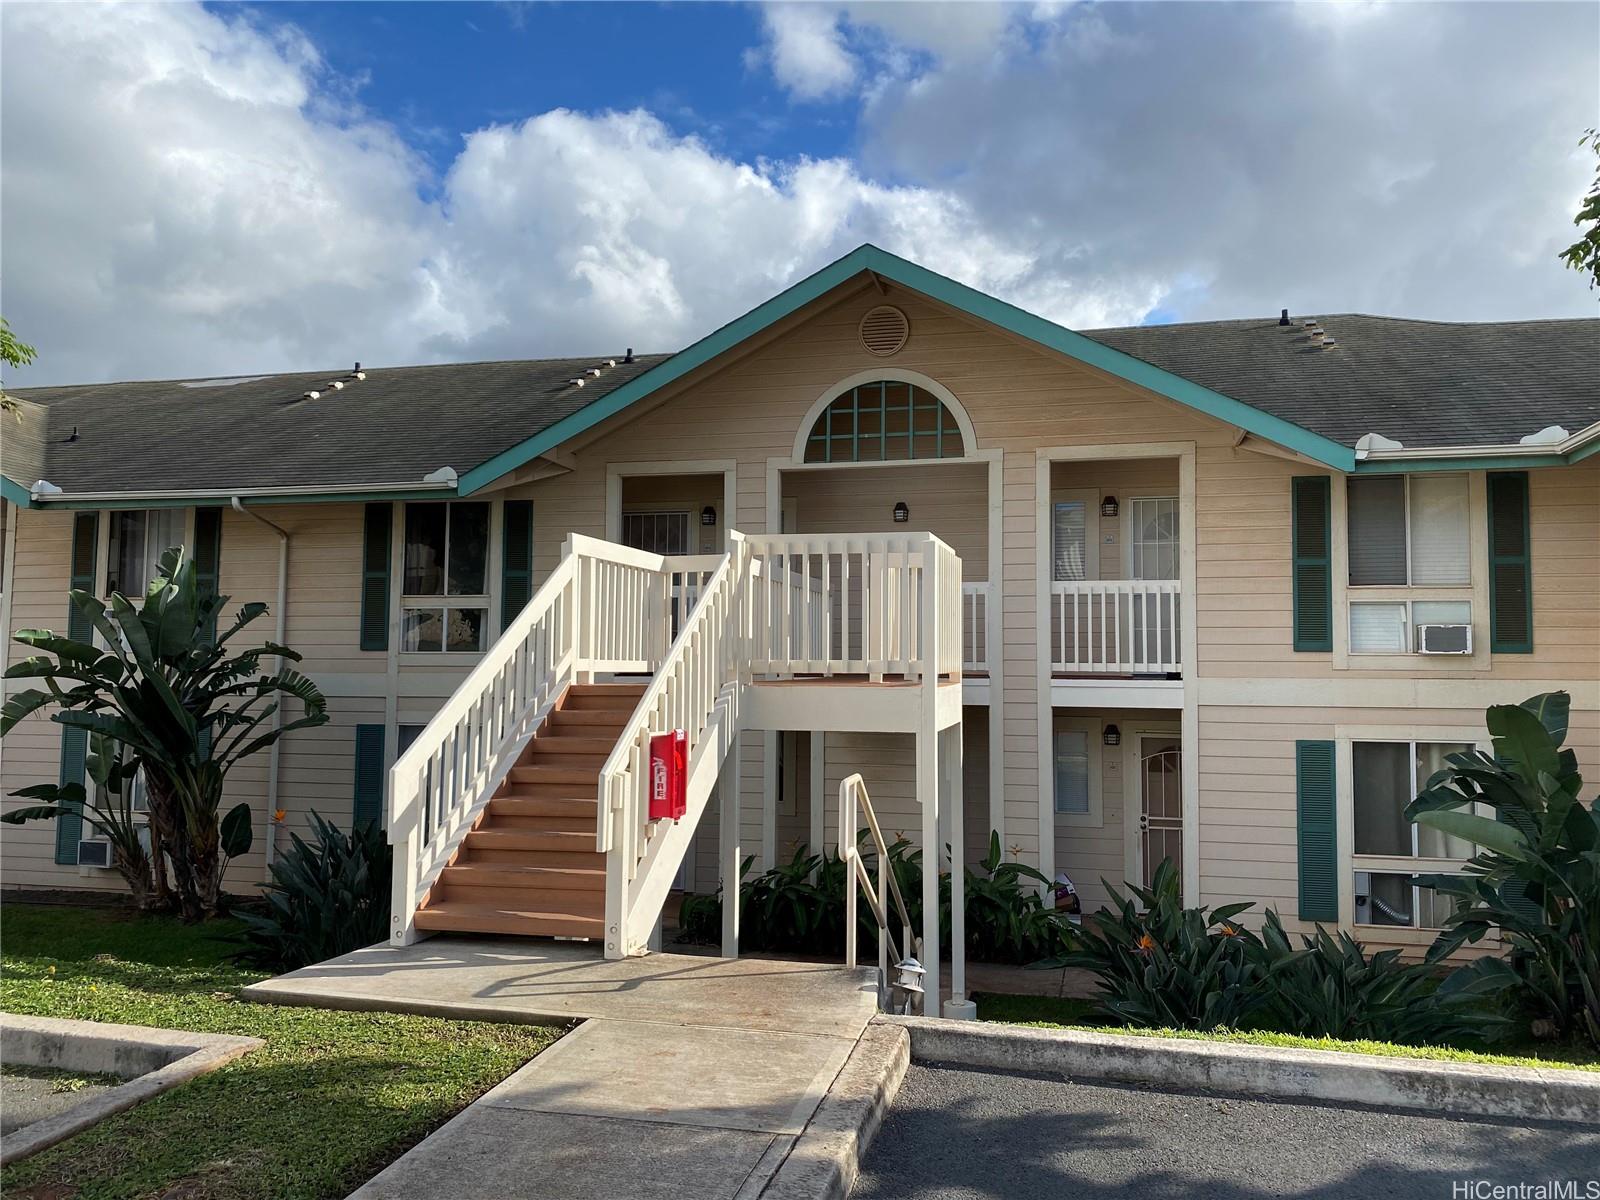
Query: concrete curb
(158, 1059)
(1422, 1085)
(827, 1157)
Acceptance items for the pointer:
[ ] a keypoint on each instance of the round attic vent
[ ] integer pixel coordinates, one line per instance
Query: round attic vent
(884, 330)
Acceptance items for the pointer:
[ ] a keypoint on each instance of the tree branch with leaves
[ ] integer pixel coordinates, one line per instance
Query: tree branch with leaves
(157, 692)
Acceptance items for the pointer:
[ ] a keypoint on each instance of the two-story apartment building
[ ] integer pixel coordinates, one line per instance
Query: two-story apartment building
(1224, 593)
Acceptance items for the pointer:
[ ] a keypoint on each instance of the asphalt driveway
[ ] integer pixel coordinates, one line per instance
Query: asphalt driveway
(959, 1134)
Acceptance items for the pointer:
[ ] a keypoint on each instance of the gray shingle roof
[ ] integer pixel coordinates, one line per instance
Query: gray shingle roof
(1422, 383)
(1417, 382)
(393, 427)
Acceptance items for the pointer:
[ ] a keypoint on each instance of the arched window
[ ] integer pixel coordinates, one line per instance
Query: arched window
(884, 421)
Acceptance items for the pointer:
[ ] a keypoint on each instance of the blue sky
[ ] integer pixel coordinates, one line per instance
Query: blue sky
(441, 70)
(201, 190)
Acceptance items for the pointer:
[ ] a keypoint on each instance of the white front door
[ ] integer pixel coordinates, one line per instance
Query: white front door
(1157, 833)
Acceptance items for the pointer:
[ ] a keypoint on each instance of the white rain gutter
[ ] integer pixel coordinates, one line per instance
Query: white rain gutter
(44, 492)
(1532, 445)
(277, 717)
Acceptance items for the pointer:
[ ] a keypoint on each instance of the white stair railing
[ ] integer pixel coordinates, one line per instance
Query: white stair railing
(1115, 626)
(855, 803)
(851, 604)
(604, 608)
(695, 689)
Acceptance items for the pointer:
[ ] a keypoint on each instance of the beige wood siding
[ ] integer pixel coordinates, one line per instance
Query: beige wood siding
(946, 500)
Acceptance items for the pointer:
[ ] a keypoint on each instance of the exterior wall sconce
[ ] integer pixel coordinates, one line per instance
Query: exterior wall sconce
(902, 514)
(1112, 736)
(1108, 507)
(708, 515)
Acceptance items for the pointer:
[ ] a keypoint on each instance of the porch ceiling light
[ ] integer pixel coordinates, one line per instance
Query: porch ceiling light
(708, 515)
(902, 513)
(1108, 507)
(1112, 736)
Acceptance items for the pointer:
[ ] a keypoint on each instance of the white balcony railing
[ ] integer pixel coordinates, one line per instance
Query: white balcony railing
(1115, 627)
(975, 609)
(855, 604)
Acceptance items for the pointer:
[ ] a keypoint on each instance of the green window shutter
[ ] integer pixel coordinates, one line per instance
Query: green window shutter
(375, 576)
(369, 774)
(85, 564)
(1510, 564)
(1313, 562)
(516, 561)
(1315, 807)
(75, 742)
(208, 557)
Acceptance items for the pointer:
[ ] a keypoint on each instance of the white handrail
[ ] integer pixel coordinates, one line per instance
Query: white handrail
(706, 657)
(1116, 626)
(602, 608)
(854, 802)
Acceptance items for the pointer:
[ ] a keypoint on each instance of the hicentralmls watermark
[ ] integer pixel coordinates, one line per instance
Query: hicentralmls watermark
(1547, 1189)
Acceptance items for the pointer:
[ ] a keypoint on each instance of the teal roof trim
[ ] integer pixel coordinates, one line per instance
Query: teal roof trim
(947, 291)
(13, 491)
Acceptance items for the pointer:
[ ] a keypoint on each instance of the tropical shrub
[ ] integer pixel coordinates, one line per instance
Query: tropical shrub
(799, 906)
(183, 712)
(1536, 876)
(1008, 918)
(1165, 966)
(1331, 987)
(327, 897)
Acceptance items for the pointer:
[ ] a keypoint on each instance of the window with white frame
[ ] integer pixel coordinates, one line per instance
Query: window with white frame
(1153, 537)
(1388, 850)
(444, 603)
(1072, 758)
(1069, 541)
(1409, 531)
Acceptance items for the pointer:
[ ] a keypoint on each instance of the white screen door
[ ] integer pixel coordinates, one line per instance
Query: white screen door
(1160, 803)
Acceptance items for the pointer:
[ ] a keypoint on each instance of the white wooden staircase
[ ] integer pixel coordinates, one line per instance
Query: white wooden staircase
(521, 807)
(529, 865)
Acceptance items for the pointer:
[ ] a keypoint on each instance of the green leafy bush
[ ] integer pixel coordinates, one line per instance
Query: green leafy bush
(1536, 877)
(1331, 987)
(1008, 918)
(1165, 966)
(799, 906)
(327, 897)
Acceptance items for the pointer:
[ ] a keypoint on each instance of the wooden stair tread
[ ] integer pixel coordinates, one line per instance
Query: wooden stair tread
(524, 876)
(484, 918)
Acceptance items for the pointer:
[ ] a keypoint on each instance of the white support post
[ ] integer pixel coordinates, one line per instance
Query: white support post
(958, 1007)
(928, 777)
(728, 798)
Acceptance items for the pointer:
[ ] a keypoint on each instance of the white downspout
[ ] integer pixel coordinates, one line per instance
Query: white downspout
(277, 717)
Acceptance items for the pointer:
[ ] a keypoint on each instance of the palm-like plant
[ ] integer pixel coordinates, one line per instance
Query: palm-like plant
(161, 686)
(1536, 876)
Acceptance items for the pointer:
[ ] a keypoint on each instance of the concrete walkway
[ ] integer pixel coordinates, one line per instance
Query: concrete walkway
(691, 1077)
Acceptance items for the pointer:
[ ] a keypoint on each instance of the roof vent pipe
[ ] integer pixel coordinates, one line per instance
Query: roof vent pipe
(1283, 319)
(628, 357)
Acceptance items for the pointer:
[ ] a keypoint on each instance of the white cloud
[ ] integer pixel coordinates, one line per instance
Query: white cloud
(806, 46)
(189, 194)
(193, 193)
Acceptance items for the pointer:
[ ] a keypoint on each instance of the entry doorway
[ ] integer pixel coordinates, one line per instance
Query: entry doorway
(1154, 815)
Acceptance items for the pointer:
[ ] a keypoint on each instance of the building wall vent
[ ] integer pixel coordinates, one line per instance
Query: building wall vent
(884, 330)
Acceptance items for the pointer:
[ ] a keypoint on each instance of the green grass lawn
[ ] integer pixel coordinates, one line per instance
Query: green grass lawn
(1050, 1012)
(329, 1099)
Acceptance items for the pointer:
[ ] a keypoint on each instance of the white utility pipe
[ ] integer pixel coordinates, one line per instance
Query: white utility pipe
(277, 717)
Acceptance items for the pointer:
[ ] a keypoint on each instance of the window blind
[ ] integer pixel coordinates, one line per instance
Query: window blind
(1377, 519)
(1438, 508)
(1071, 532)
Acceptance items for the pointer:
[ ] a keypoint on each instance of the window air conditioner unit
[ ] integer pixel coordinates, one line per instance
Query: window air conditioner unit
(94, 852)
(1444, 639)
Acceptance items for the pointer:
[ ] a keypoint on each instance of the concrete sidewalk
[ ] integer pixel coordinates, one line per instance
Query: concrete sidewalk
(691, 1077)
